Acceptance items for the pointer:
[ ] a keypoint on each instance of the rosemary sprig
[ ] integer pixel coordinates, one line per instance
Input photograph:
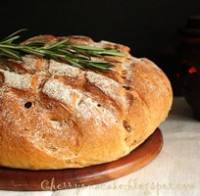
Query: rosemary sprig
(74, 54)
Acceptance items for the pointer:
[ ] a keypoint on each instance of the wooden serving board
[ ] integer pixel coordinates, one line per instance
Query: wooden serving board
(16, 179)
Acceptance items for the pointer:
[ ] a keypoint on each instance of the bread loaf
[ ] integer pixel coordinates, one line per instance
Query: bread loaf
(54, 116)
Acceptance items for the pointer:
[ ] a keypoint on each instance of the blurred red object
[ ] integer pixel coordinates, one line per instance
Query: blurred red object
(192, 70)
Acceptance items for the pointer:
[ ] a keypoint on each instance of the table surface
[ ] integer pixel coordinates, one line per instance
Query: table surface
(175, 172)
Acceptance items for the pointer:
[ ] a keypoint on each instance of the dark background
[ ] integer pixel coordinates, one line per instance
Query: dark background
(149, 27)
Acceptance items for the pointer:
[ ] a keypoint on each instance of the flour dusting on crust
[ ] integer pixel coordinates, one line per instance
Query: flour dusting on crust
(83, 106)
(110, 87)
(19, 81)
(33, 63)
(63, 69)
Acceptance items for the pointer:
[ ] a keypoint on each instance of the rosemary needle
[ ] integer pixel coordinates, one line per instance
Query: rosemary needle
(74, 54)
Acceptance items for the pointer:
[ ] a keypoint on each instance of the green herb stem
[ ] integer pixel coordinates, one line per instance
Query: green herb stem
(74, 54)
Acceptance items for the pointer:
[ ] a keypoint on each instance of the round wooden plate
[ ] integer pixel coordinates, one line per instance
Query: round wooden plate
(16, 179)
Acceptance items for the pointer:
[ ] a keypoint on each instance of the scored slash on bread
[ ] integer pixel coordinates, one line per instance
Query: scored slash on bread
(78, 117)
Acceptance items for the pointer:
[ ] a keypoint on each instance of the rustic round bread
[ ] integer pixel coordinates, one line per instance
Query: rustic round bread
(54, 115)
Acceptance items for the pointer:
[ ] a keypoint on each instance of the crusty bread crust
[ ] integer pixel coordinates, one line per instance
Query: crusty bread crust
(55, 116)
